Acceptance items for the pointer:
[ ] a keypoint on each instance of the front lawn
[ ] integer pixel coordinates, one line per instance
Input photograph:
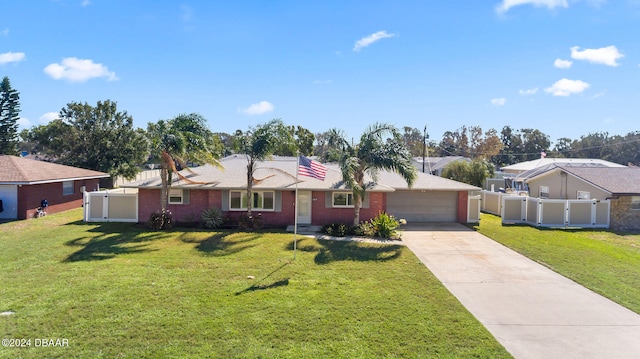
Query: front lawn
(606, 262)
(118, 290)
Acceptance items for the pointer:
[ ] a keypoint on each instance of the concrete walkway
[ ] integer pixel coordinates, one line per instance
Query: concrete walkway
(531, 310)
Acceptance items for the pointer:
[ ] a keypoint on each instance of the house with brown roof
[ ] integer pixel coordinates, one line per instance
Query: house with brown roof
(25, 183)
(620, 185)
(430, 199)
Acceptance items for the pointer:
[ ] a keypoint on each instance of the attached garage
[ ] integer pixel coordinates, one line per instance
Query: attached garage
(423, 206)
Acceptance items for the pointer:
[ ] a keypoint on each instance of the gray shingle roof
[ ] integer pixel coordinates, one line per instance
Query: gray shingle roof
(18, 170)
(280, 173)
(616, 180)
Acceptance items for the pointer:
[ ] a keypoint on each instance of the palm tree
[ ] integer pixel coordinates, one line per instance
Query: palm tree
(259, 144)
(373, 153)
(175, 142)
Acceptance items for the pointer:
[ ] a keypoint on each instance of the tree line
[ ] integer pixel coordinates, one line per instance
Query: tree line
(103, 138)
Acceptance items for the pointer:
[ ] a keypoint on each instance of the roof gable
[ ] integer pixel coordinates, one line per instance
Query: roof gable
(20, 170)
(615, 180)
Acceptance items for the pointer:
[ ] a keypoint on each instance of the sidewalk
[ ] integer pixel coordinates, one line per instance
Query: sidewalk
(531, 310)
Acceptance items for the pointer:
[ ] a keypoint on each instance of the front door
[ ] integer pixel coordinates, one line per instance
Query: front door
(304, 207)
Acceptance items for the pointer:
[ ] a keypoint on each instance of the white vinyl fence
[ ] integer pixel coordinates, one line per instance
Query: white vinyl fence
(554, 213)
(119, 205)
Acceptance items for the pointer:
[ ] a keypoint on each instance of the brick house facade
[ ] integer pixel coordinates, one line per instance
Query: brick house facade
(431, 198)
(24, 183)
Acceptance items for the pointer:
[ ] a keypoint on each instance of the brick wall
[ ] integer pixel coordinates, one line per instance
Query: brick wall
(463, 200)
(199, 200)
(30, 196)
(321, 214)
(623, 218)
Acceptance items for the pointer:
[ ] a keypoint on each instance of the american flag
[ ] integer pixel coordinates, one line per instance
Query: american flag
(311, 168)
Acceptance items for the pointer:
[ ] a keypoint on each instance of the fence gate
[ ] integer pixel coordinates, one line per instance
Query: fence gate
(473, 209)
(111, 206)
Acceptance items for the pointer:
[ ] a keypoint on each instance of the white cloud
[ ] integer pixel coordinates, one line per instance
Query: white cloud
(85, 3)
(24, 122)
(78, 70)
(368, 40)
(562, 64)
(499, 101)
(604, 55)
(48, 117)
(321, 82)
(566, 87)
(257, 108)
(5, 32)
(528, 92)
(8, 57)
(550, 4)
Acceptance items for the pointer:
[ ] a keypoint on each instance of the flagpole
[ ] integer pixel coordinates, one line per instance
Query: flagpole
(295, 220)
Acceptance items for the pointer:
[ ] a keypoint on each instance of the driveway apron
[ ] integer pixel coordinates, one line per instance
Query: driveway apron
(531, 310)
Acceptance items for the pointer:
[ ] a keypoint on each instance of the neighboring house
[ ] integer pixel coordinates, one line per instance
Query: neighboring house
(513, 178)
(431, 199)
(24, 183)
(620, 185)
(435, 165)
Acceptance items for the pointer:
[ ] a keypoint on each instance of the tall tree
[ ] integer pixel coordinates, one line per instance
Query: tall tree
(593, 145)
(473, 173)
(258, 144)
(178, 141)
(534, 142)
(292, 139)
(373, 153)
(9, 114)
(100, 138)
(413, 139)
(512, 146)
(562, 147)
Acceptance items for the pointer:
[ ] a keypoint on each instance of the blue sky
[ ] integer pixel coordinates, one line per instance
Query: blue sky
(565, 67)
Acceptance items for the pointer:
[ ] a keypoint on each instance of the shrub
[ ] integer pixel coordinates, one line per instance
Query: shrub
(212, 218)
(383, 226)
(338, 229)
(160, 220)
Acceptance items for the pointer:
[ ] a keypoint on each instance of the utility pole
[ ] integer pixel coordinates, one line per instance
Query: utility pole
(425, 135)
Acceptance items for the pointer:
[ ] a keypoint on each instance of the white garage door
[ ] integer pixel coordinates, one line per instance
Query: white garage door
(9, 197)
(430, 206)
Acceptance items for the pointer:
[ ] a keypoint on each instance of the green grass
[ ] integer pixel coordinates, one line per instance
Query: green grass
(606, 262)
(120, 291)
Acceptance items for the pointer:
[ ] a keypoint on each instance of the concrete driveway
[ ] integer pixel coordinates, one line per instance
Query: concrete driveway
(531, 310)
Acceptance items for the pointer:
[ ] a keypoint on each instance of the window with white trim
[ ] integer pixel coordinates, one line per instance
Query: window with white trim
(635, 202)
(342, 199)
(261, 201)
(583, 195)
(67, 187)
(176, 196)
(543, 192)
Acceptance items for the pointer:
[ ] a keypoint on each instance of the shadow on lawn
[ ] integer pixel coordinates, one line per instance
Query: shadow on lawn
(332, 251)
(220, 244)
(276, 284)
(110, 240)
